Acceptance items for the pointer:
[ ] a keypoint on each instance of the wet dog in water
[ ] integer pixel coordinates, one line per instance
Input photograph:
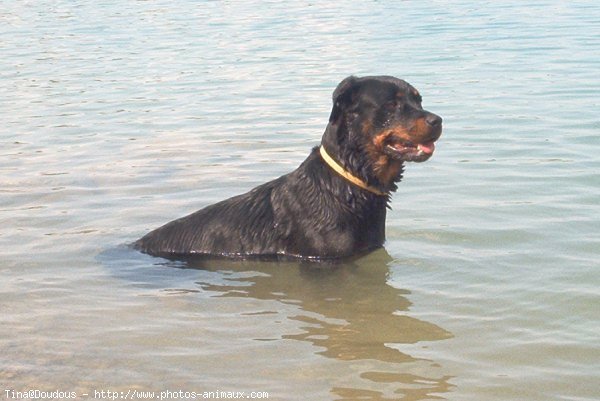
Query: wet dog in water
(334, 204)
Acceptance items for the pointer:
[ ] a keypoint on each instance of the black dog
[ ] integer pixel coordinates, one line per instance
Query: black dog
(334, 204)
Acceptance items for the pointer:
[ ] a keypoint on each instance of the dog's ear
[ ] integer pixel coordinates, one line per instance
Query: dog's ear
(342, 97)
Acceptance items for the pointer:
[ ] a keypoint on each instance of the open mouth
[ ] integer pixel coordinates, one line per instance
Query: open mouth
(409, 151)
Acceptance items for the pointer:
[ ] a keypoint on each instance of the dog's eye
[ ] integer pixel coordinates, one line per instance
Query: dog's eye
(391, 105)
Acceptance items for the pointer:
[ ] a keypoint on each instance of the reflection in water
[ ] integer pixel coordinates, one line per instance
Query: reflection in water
(348, 311)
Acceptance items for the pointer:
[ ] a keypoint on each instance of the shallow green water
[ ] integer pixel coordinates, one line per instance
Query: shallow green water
(120, 116)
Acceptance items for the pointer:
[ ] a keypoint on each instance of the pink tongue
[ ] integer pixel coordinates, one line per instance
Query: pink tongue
(427, 147)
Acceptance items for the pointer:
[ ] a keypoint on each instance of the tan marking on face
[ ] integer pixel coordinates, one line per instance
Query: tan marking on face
(386, 168)
(420, 131)
(367, 125)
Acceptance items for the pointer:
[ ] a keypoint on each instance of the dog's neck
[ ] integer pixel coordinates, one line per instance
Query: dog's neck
(379, 172)
(335, 166)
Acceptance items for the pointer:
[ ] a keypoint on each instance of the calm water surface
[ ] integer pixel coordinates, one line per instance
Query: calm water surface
(120, 116)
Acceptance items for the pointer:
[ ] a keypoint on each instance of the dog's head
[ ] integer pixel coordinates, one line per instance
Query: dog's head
(377, 124)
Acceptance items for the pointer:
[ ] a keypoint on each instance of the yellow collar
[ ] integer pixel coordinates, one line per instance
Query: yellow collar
(346, 174)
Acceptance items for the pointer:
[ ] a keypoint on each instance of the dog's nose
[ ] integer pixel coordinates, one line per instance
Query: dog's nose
(433, 120)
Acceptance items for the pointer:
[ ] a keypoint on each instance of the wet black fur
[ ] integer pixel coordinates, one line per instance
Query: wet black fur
(311, 212)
